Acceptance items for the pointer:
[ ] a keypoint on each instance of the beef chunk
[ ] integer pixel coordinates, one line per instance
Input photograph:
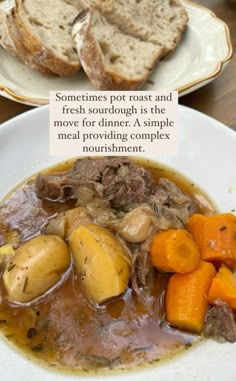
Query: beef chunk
(117, 179)
(121, 182)
(22, 213)
(172, 206)
(220, 323)
(142, 271)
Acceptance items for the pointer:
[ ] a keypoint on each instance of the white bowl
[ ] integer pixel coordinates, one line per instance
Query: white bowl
(207, 156)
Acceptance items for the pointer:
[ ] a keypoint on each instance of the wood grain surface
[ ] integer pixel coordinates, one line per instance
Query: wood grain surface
(217, 99)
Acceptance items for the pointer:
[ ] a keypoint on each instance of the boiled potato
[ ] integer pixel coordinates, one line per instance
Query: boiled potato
(74, 218)
(6, 252)
(101, 262)
(37, 266)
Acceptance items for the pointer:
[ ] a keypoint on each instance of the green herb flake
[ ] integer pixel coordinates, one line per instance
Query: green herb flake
(37, 347)
(155, 208)
(143, 348)
(10, 336)
(187, 345)
(99, 360)
(222, 228)
(182, 222)
(31, 333)
(25, 284)
(114, 359)
(11, 267)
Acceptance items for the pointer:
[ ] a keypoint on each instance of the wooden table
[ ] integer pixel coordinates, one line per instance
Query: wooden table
(217, 99)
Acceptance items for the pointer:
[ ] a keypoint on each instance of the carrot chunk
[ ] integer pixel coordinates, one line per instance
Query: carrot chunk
(223, 287)
(174, 251)
(215, 236)
(186, 297)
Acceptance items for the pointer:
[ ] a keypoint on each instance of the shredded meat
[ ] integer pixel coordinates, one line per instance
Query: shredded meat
(101, 186)
(22, 213)
(117, 179)
(220, 323)
(171, 205)
(141, 268)
(120, 183)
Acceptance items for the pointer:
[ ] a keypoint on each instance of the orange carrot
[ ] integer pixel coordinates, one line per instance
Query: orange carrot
(174, 251)
(215, 236)
(223, 287)
(186, 297)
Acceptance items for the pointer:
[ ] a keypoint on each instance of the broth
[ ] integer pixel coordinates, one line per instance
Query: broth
(66, 330)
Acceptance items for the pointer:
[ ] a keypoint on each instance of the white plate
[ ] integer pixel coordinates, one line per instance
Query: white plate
(206, 155)
(200, 57)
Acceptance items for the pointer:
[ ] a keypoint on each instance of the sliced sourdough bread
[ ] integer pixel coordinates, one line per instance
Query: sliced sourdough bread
(22, 53)
(78, 4)
(112, 60)
(161, 22)
(5, 39)
(45, 28)
(102, 5)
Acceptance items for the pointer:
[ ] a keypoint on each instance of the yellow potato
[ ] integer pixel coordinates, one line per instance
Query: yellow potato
(37, 266)
(101, 262)
(74, 218)
(6, 252)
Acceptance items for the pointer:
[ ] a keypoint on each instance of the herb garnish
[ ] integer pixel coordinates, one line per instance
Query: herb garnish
(187, 345)
(143, 348)
(11, 267)
(25, 284)
(32, 332)
(37, 347)
(223, 227)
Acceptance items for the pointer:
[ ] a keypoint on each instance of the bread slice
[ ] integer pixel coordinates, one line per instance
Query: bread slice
(45, 28)
(112, 59)
(101, 5)
(22, 53)
(5, 39)
(78, 4)
(161, 22)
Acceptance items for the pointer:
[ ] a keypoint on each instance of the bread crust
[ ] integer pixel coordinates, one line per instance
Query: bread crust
(93, 63)
(22, 52)
(5, 39)
(43, 55)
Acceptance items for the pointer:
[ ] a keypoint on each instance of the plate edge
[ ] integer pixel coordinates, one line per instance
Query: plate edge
(221, 64)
